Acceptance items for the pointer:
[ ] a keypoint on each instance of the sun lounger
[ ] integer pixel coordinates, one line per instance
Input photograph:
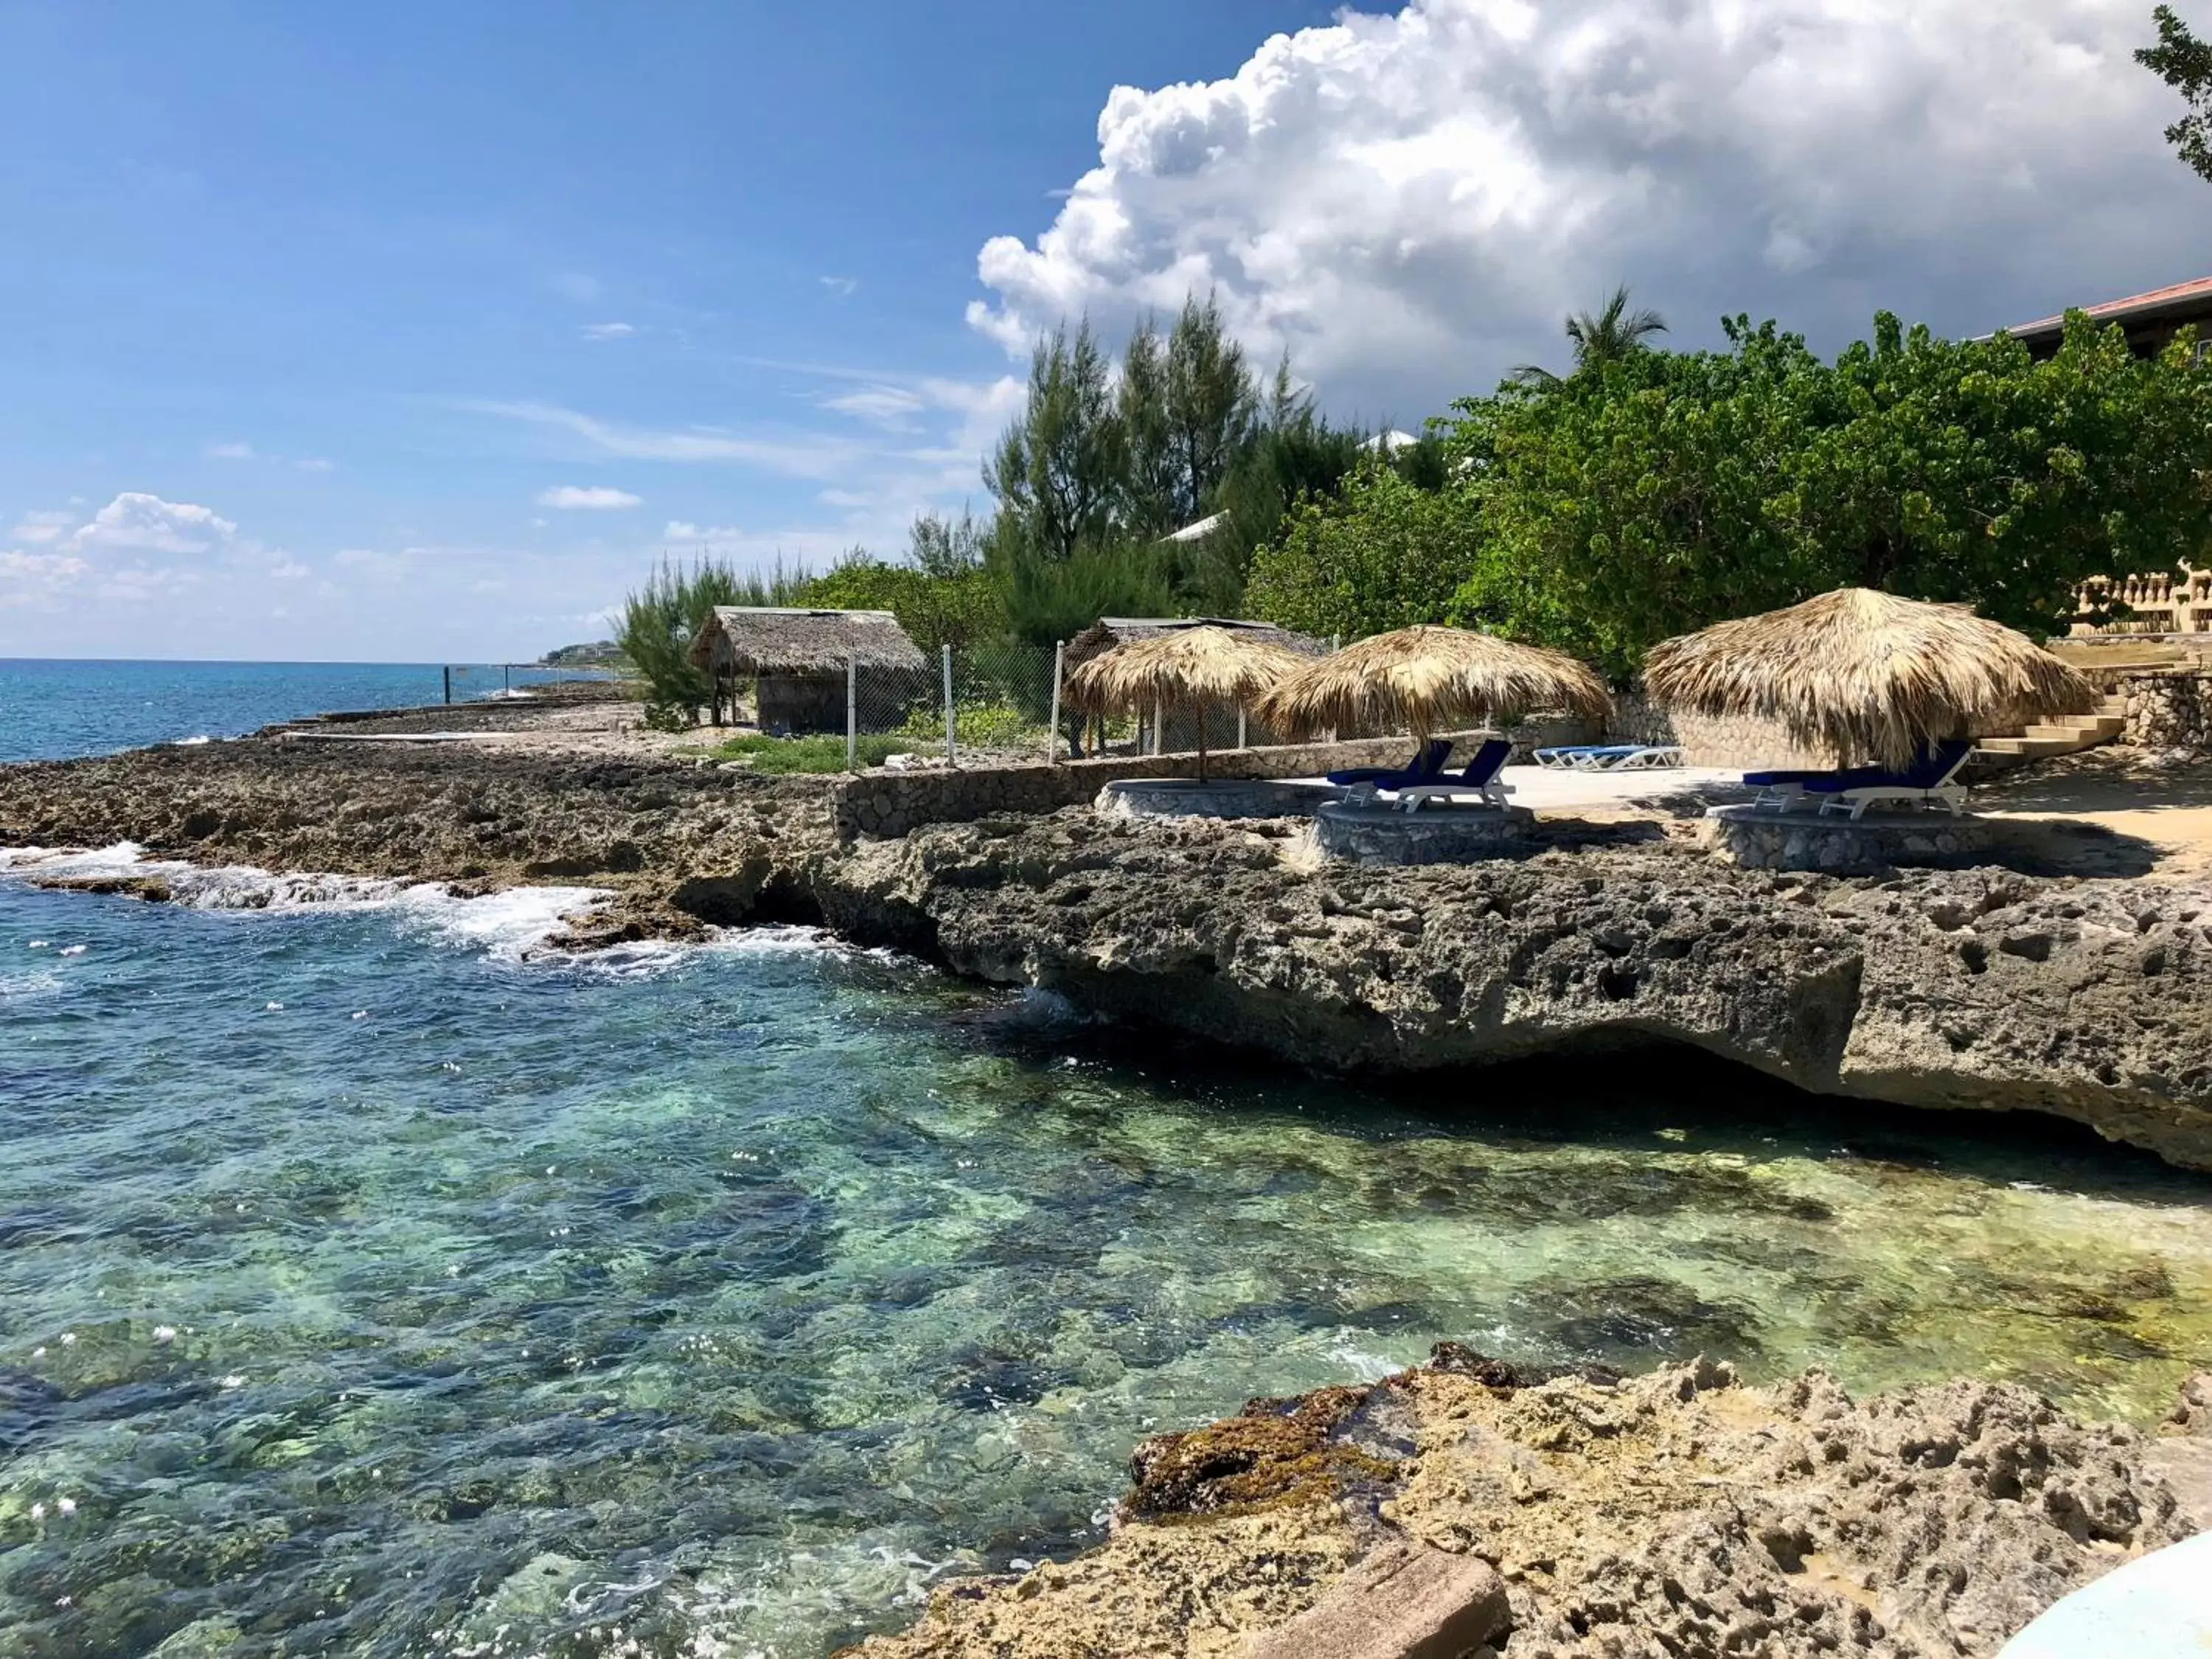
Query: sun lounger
(1480, 780)
(1611, 756)
(1426, 767)
(1782, 790)
(1927, 783)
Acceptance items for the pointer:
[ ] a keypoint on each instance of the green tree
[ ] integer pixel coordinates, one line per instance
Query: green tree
(1385, 554)
(2184, 63)
(942, 594)
(1212, 408)
(660, 620)
(1647, 496)
(1149, 507)
(1607, 334)
(1673, 490)
(1048, 601)
(1060, 471)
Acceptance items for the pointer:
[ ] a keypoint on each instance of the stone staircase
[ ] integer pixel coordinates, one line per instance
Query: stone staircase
(2063, 736)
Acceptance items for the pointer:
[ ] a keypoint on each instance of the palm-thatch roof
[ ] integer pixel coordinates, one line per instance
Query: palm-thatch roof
(1429, 679)
(1182, 666)
(743, 640)
(1109, 631)
(1867, 675)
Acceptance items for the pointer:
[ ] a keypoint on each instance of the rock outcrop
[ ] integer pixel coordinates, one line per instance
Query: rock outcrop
(1981, 988)
(1676, 1513)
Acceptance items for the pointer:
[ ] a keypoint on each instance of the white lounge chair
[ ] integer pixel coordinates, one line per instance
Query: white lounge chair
(1930, 783)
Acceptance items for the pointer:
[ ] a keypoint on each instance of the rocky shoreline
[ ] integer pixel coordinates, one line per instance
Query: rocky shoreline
(1678, 1512)
(2086, 998)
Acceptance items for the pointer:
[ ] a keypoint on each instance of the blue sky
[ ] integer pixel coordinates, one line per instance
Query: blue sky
(418, 332)
(368, 282)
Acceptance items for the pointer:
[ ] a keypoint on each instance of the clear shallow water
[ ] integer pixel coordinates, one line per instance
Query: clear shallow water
(366, 1290)
(57, 710)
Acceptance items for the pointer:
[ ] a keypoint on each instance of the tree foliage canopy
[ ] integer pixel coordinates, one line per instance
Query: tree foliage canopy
(1660, 491)
(2184, 63)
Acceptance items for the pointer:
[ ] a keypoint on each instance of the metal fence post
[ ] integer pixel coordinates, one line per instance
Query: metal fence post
(951, 724)
(852, 714)
(1052, 734)
(1160, 724)
(1241, 744)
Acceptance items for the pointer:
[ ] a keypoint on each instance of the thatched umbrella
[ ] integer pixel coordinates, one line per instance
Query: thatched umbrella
(1428, 678)
(1867, 675)
(1190, 667)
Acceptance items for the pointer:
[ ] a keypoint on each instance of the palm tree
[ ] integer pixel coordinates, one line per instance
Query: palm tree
(1601, 338)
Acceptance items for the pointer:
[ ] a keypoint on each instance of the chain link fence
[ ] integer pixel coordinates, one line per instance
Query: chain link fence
(984, 705)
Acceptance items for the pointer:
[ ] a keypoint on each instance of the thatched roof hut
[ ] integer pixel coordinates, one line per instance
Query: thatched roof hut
(743, 640)
(799, 657)
(1183, 669)
(1429, 679)
(1867, 676)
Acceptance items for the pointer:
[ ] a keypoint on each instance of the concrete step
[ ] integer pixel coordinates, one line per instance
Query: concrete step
(2089, 728)
(2028, 748)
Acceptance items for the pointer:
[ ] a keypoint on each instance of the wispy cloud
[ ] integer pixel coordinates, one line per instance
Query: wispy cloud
(577, 286)
(606, 330)
(588, 497)
(39, 528)
(842, 286)
(231, 451)
(316, 463)
(890, 406)
(800, 459)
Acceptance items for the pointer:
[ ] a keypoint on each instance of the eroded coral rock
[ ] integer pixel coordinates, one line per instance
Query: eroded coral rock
(1676, 1513)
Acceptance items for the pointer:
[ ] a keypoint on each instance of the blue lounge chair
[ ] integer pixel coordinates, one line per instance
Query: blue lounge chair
(1426, 767)
(1480, 779)
(1927, 782)
(1782, 790)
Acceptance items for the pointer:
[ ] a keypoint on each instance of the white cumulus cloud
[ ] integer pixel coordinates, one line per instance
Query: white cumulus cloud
(593, 497)
(1411, 203)
(135, 521)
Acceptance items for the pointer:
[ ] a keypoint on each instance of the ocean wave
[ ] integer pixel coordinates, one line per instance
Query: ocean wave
(511, 926)
(514, 925)
(22, 988)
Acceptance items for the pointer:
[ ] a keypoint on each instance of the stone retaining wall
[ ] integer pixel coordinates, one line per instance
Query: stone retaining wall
(2168, 708)
(883, 805)
(1753, 745)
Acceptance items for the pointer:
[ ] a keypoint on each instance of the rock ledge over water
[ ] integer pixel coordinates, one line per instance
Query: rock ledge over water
(2089, 999)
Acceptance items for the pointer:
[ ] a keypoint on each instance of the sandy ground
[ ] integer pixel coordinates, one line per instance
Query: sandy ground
(2104, 812)
(2140, 801)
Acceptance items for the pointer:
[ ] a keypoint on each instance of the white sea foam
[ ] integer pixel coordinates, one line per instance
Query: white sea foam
(193, 741)
(509, 926)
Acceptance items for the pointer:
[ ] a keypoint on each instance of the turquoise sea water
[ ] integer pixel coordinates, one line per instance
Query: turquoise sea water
(368, 1290)
(56, 709)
